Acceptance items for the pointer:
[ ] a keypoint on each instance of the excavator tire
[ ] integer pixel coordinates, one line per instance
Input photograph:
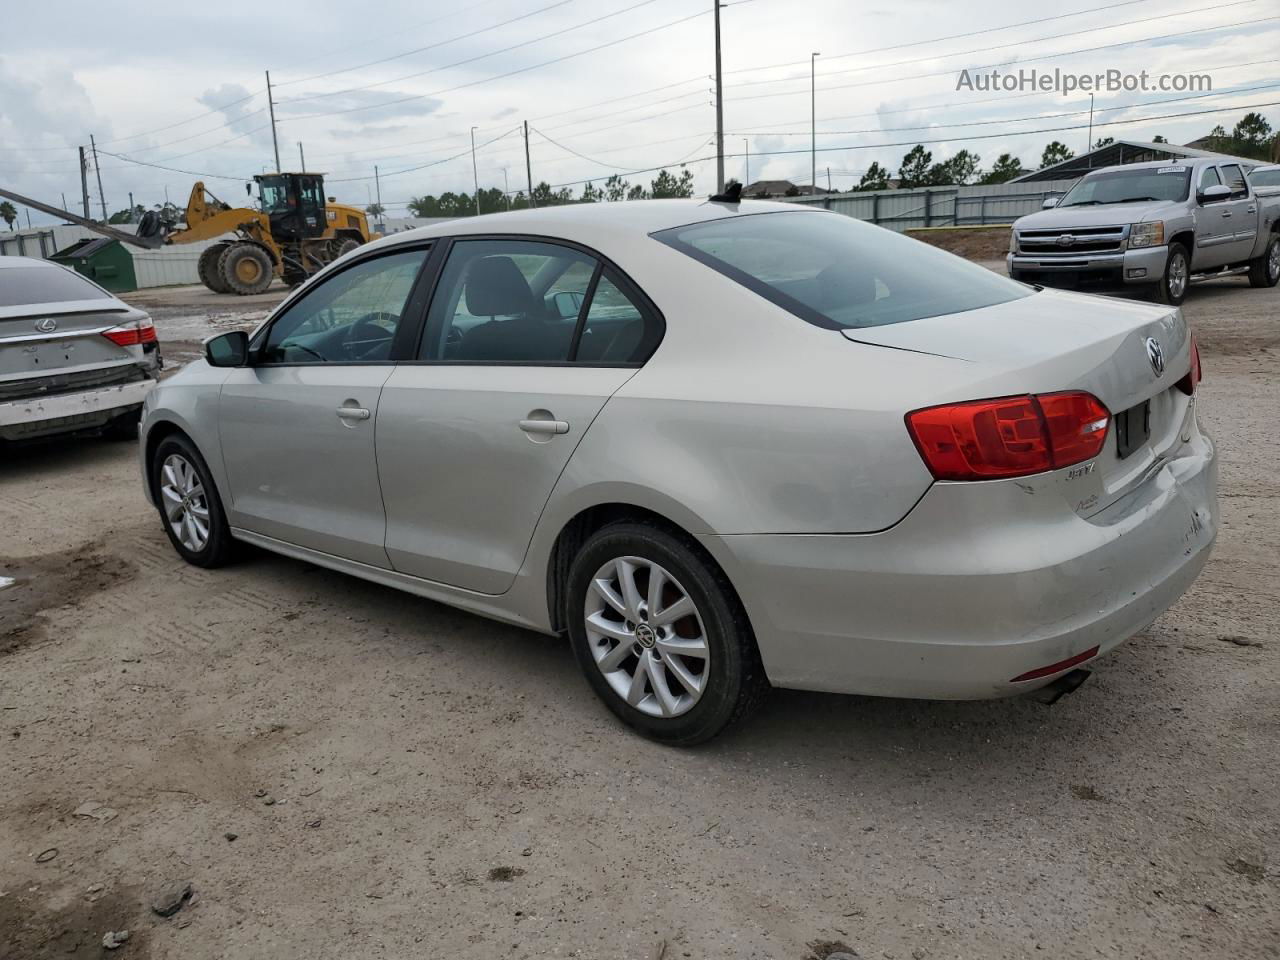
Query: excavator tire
(342, 247)
(245, 268)
(207, 267)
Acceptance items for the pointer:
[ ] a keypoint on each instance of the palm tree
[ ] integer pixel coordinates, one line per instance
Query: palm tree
(8, 213)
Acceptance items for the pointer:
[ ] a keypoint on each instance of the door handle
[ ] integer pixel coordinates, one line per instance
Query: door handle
(1251, 210)
(353, 413)
(1226, 213)
(545, 427)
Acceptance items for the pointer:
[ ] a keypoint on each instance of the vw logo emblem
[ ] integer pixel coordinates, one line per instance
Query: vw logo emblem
(1156, 355)
(645, 635)
(1066, 240)
(47, 325)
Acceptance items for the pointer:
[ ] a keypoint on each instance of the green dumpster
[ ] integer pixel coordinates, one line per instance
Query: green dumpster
(103, 260)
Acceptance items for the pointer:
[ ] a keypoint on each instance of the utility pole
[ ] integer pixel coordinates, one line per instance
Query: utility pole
(528, 167)
(813, 121)
(271, 108)
(829, 190)
(301, 157)
(506, 187)
(746, 174)
(475, 175)
(97, 168)
(131, 218)
(719, 107)
(378, 185)
(84, 182)
(1088, 147)
(64, 200)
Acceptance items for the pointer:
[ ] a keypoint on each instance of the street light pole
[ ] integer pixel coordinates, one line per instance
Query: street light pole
(506, 187)
(746, 173)
(719, 107)
(475, 174)
(813, 122)
(271, 109)
(1088, 147)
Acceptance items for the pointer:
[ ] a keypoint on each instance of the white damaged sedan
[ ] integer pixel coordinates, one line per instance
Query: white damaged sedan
(719, 446)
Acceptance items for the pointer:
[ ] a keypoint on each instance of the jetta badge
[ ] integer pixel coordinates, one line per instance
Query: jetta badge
(47, 325)
(1156, 355)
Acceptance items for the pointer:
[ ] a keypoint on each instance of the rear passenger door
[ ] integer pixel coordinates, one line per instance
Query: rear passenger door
(524, 342)
(1213, 228)
(1241, 215)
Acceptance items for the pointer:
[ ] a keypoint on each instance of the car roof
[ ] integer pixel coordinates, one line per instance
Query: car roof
(27, 262)
(584, 221)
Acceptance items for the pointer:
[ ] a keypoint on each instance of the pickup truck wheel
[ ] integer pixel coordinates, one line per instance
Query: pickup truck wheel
(1177, 276)
(1264, 271)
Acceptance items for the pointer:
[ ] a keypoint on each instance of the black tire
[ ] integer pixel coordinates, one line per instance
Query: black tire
(246, 269)
(734, 683)
(219, 548)
(342, 247)
(207, 267)
(123, 427)
(1178, 257)
(1264, 271)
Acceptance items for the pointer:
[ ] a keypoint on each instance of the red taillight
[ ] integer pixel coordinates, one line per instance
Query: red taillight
(1009, 437)
(133, 333)
(1189, 383)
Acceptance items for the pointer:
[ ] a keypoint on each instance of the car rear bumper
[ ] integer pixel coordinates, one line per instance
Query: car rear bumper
(979, 584)
(1143, 265)
(66, 412)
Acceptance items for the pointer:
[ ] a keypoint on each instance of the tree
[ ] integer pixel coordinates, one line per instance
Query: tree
(1006, 167)
(1103, 141)
(1158, 139)
(127, 215)
(959, 169)
(615, 189)
(667, 186)
(8, 213)
(876, 178)
(637, 193)
(914, 170)
(791, 191)
(1253, 130)
(375, 210)
(1055, 153)
(591, 194)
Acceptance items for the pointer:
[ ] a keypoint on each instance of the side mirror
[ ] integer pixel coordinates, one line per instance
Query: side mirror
(1214, 194)
(1049, 202)
(227, 349)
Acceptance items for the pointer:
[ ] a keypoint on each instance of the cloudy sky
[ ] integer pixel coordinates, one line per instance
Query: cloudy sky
(608, 86)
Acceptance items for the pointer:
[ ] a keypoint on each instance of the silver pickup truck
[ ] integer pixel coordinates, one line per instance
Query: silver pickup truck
(1165, 225)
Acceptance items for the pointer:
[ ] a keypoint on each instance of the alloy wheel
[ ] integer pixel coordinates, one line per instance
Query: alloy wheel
(1177, 274)
(185, 506)
(1273, 261)
(647, 637)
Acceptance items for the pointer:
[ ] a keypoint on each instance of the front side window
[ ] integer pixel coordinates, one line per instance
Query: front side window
(351, 317)
(1132, 185)
(838, 272)
(525, 301)
(1234, 178)
(1209, 178)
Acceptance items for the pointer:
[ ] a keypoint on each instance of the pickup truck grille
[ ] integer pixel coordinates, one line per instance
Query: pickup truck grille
(31, 388)
(1072, 241)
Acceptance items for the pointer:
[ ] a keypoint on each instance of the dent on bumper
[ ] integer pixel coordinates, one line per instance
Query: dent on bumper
(973, 588)
(105, 400)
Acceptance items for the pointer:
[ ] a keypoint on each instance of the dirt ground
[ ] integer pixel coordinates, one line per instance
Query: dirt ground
(339, 769)
(974, 243)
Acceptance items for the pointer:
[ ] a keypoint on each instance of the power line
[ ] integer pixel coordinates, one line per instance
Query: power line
(430, 46)
(433, 163)
(1005, 46)
(601, 163)
(1005, 63)
(180, 123)
(501, 76)
(158, 166)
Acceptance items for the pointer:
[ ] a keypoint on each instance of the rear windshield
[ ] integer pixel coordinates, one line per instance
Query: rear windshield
(1265, 178)
(23, 285)
(1132, 185)
(838, 272)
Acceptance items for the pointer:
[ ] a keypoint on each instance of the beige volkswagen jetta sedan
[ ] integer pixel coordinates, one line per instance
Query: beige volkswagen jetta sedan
(720, 446)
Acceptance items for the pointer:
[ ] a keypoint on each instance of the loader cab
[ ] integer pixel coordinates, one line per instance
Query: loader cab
(294, 202)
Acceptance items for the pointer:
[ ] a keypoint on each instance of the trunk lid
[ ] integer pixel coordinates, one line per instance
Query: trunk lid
(1055, 341)
(56, 347)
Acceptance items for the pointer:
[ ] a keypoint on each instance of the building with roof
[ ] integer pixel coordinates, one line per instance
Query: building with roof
(1121, 152)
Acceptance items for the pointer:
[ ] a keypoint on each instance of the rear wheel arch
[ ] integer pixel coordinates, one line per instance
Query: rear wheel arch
(584, 524)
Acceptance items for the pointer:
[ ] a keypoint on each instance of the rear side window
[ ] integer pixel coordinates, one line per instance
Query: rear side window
(838, 272)
(1235, 180)
(23, 285)
(1265, 178)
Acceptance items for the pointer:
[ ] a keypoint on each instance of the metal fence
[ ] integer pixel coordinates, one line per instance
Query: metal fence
(39, 244)
(957, 206)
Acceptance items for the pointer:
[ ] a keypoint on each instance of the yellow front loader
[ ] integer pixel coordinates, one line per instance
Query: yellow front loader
(294, 234)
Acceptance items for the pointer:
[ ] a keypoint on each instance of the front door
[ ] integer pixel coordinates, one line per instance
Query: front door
(524, 343)
(297, 425)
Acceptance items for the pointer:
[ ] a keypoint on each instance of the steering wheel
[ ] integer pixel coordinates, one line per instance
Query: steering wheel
(366, 329)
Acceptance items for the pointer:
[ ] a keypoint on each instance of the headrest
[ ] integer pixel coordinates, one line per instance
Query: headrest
(840, 285)
(497, 288)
